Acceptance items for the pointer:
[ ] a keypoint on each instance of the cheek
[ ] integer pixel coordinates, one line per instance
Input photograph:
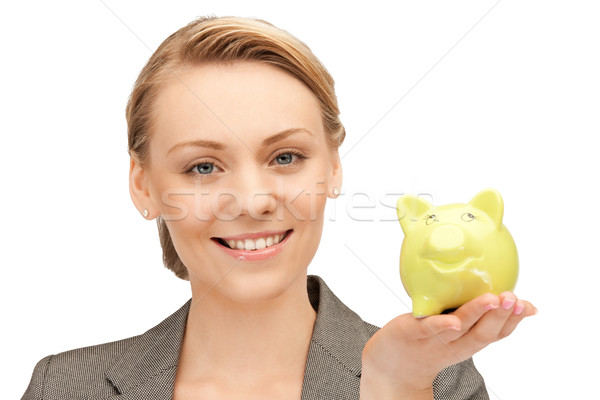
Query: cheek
(189, 221)
(307, 192)
(190, 229)
(309, 226)
(173, 200)
(185, 202)
(305, 197)
(186, 212)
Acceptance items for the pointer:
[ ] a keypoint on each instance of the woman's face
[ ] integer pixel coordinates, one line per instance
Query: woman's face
(240, 171)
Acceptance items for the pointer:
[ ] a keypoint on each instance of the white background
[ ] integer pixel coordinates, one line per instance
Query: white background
(438, 99)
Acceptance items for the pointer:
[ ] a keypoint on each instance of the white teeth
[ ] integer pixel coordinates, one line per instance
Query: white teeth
(255, 244)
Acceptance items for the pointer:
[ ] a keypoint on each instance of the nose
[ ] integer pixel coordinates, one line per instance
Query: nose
(252, 194)
(446, 243)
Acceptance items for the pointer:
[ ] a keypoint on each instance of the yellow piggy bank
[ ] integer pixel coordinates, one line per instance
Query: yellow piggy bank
(454, 253)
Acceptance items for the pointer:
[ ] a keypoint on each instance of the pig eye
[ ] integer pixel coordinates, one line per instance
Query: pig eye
(431, 219)
(467, 217)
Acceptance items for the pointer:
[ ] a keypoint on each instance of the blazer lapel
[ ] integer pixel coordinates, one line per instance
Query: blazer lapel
(147, 368)
(334, 359)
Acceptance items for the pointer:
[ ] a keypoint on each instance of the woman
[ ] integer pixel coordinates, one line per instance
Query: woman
(233, 137)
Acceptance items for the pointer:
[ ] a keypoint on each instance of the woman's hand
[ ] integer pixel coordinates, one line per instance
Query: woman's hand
(402, 359)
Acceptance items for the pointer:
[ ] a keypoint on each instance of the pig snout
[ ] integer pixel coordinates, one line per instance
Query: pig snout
(446, 243)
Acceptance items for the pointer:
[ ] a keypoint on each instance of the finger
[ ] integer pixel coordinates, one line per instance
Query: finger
(488, 328)
(438, 325)
(407, 326)
(472, 311)
(449, 331)
(521, 310)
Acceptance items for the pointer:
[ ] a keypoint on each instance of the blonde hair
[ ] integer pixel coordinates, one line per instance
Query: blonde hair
(223, 40)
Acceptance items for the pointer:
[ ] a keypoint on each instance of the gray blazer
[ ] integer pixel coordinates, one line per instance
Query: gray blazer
(143, 367)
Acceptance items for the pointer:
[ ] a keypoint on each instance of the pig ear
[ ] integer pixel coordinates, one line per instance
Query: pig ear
(409, 208)
(490, 202)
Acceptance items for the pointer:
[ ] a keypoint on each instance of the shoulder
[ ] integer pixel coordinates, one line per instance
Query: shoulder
(82, 367)
(107, 369)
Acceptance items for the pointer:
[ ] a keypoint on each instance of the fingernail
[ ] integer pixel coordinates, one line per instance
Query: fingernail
(518, 309)
(490, 307)
(507, 303)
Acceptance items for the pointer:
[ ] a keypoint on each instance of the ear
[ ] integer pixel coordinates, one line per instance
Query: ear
(490, 202)
(138, 189)
(409, 209)
(335, 177)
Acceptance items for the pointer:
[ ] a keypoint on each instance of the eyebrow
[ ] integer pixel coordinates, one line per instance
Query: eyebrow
(198, 143)
(283, 134)
(219, 146)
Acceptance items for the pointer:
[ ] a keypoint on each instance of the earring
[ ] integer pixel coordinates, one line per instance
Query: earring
(336, 192)
(145, 213)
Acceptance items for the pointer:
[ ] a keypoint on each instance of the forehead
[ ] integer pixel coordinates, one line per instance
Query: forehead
(247, 100)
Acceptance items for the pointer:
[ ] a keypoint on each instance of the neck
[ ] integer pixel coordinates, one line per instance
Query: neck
(227, 340)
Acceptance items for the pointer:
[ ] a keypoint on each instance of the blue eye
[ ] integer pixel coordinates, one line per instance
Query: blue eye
(204, 168)
(289, 157)
(285, 158)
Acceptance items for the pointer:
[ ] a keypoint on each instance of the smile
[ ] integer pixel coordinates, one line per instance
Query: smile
(256, 246)
(253, 243)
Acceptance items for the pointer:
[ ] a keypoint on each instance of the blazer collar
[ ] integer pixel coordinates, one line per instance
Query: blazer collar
(338, 330)
(149, 365)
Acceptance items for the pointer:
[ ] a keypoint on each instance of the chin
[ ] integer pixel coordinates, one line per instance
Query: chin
(246, 287)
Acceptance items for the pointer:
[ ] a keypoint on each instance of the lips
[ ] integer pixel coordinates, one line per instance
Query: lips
(255, 241)
(255, 246)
